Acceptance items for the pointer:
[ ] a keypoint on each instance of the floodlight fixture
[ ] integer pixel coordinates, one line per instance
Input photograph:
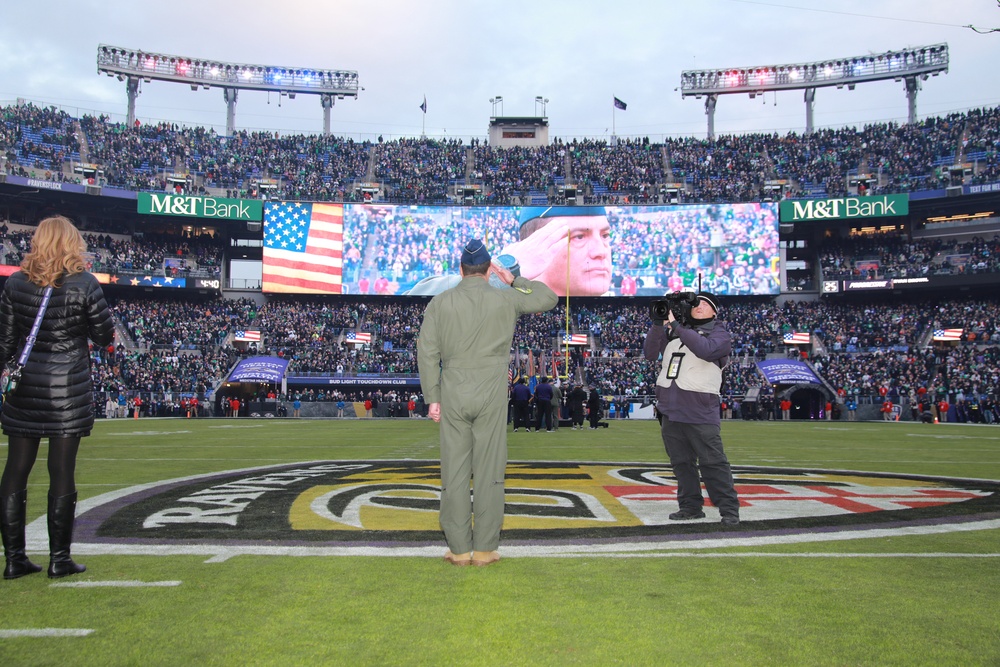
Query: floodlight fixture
(911, 65)
(915, 61)
(133, 65)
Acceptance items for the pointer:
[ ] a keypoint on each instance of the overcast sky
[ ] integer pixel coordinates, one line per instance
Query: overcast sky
(461, 53)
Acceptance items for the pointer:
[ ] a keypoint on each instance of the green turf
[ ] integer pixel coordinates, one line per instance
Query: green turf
(750, 609)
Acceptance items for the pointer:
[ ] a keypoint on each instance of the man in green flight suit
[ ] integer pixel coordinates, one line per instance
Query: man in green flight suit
(463, 353)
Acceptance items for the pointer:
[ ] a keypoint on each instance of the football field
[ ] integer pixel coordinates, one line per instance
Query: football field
(314, 542)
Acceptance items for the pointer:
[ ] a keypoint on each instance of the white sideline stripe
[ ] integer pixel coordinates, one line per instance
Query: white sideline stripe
(220, 553)
(114, 584)
(45, 632)
(765, 554)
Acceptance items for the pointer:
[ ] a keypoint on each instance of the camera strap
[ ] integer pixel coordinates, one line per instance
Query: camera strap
(33, 335)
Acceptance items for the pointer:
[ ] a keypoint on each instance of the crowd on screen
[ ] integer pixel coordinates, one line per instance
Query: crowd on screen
(730, 168)
(410, 244)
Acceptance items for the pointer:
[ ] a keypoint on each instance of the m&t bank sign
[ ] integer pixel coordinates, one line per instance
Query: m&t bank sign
(152, 203)
(844, 208)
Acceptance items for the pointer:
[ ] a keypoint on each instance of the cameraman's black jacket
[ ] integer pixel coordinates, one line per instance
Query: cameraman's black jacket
(709, 342)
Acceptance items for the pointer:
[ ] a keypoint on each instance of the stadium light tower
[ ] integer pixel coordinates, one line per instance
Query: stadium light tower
(911, 65)
(133, 65)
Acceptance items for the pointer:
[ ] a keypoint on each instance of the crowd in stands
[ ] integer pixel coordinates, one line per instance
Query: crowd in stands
(893, 255)
(729, 168)
(168, 255)
(867, 351)
(40, 139)
(419, 170)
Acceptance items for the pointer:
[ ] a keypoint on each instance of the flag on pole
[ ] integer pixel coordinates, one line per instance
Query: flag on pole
(948, 334)
(620, 105)
(303, 248)
(423, 107)
(797, 338)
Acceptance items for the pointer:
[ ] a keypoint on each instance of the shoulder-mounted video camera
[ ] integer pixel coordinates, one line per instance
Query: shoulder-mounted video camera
(680, 304)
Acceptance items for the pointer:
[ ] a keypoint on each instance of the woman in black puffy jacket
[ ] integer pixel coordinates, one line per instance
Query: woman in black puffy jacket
(54, 398)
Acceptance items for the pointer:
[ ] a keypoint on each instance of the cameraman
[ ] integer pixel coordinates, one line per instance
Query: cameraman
(695, 348)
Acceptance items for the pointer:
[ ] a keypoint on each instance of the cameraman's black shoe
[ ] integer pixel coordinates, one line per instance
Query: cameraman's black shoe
(687, 515)
(731, 520)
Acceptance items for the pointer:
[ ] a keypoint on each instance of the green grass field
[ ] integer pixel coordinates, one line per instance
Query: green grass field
(903, 600)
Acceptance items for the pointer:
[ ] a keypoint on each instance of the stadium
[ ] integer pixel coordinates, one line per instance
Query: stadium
(262, 482)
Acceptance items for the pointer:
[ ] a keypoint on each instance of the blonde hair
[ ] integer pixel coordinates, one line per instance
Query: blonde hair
(56, 248)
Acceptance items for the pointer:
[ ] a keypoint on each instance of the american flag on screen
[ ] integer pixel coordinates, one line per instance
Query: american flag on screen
(358, 337)
(575, 339)
(303, 248)
(245, 335)
(797, 338)
(948, 334)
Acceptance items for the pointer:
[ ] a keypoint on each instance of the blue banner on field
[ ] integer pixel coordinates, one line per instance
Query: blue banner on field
(788, 371)
(259, 369)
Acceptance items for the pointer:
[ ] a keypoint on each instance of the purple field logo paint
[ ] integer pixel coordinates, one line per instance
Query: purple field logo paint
(344, 507)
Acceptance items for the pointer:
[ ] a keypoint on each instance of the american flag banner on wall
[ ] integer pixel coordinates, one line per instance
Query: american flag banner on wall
(797, 338)
(358, 337)
(575, 339)
(303, 248)
(247, 335)
(948, 334)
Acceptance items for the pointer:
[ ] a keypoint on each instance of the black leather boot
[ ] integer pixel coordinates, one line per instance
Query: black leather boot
(12, 512)
(62, 512)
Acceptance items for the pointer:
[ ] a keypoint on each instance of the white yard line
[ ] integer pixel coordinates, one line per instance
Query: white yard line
(115, 584)
(44, 632)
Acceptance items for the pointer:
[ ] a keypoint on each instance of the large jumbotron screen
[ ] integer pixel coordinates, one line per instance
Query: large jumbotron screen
(323, 248)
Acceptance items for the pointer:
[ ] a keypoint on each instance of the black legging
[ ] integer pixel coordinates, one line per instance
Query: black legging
(21, 454)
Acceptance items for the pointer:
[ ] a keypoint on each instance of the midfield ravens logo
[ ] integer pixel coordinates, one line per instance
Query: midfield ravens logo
(364, 503)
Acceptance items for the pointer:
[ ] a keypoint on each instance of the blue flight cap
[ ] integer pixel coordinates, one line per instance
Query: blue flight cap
(474, 253)
(529, 213)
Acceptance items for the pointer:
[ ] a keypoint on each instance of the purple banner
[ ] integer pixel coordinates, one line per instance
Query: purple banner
(981, 189)
(259, 369)
(46, 185)
(788, 371)
(115, 192)
(355, 381)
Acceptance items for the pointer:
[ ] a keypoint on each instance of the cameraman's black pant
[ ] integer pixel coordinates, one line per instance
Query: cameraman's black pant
(695, 448)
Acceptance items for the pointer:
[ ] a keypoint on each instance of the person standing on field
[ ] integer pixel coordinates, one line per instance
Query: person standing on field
(463, 352)
(55, 305)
